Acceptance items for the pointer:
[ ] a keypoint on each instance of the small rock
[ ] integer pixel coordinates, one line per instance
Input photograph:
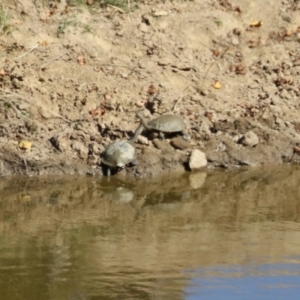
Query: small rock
(164, 61)
(179, 143)
(143, 140)
(183, 66)
(235, 41)
(162, 145)
(250, 139)
(197, 159)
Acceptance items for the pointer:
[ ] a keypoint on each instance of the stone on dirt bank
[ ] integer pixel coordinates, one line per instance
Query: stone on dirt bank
(197, 159)
(180, 143)
(250, 139)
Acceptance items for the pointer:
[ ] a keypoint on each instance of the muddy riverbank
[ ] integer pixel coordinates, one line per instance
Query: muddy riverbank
(72, 77)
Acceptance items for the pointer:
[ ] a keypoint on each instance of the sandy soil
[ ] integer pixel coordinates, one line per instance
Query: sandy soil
(72, 78)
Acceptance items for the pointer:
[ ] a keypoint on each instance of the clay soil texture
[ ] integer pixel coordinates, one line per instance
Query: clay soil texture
(74, 73)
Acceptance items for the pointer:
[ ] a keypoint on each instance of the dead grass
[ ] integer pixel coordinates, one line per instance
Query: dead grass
(5, 26)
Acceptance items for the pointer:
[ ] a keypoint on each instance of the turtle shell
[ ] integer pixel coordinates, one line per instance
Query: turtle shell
(167, 123)
(119, 154)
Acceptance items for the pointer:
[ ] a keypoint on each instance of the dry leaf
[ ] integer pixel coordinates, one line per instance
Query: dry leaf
(97, 112)
(81, 60)
(26, 198)
(256, 24)
(43, 43)
(24, 145)
(216, 53)
(217, 85)
(90, 2)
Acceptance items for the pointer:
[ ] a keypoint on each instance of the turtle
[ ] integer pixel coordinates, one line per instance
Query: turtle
(166, 123)
(120, 153)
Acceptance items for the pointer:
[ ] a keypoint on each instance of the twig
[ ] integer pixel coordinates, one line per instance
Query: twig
(57, 115)
(129, 10)
(117, 8)
(49, 62)
(28, 51)
(179, 99)
(221, 56)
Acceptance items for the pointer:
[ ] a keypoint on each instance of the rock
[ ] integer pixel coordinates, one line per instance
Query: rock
(235, 41)
(250, 139)
(180, 143)
(183, 66)
(197, 159)
(162, 145)
(164, 61)
(142, 140)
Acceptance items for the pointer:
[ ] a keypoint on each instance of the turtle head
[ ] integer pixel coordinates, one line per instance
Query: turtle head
(142, 118)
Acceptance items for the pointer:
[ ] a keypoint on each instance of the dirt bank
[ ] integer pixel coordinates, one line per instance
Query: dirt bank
(73, 76)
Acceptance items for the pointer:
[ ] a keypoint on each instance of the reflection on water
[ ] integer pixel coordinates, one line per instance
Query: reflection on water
(185, 236)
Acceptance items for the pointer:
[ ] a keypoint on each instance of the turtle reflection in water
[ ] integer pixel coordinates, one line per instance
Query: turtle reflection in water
(121, 153)
(167, 123)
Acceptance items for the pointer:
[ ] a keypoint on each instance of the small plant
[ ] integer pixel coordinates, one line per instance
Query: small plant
(117, 3)
(219, 23)
(124, 4)
(87, 28)
(5, 27)
(63, 25)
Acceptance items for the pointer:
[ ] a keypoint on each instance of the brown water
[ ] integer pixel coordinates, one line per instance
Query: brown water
(224, 235)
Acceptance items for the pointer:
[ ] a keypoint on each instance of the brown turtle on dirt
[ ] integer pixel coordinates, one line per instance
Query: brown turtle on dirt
(121, 153)
(167, 123)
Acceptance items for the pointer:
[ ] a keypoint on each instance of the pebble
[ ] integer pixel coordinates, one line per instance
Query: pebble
(235, 41)
(179, 143)
(143, 140)
(197, 159)
(250, 139)
(162, 145)
(164, 61)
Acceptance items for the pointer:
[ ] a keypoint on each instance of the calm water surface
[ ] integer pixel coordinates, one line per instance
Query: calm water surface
(223, 235)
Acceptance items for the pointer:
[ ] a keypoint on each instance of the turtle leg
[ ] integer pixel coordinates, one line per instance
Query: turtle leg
(161, 135)
(108, 172)
(185, 135)
(134, 162)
